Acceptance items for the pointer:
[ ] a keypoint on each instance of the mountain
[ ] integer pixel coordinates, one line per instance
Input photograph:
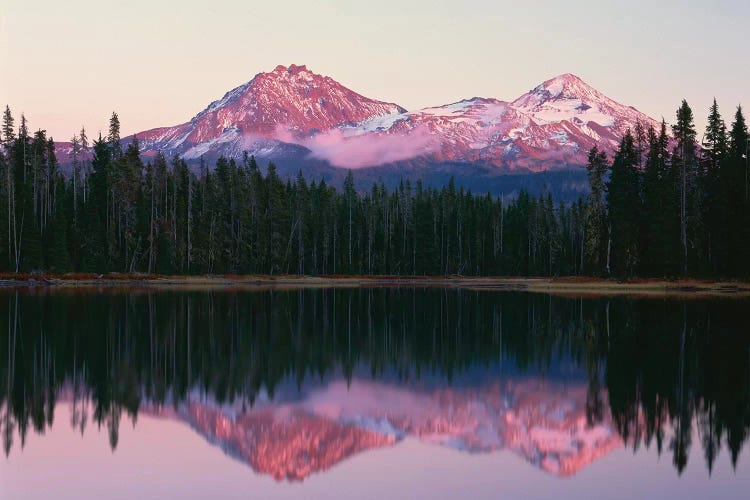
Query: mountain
(543, 422)
(288, 103)
(552, 126)
(309, 122)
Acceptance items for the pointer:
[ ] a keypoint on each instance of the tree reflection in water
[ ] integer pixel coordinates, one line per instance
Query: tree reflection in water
(653, 367)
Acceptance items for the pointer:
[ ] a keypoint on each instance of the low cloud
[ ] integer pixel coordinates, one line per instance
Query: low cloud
(367, 150)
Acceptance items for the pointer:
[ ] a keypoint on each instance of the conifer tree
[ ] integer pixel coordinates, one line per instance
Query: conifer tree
(349, 197)
(624, 207)
(738, 197)
(685, 165)
(715, 202)
(84, 140)
(659, 223)
(30, 240)
(95, 248)
(8, 138)
(5, 192)
(59, 253)
(114, 135)
(8, 132)
(596, 212)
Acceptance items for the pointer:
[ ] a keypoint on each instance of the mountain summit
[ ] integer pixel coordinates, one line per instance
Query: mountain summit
(554, 125)
(289, 102)
(303, 120)
(569, 99)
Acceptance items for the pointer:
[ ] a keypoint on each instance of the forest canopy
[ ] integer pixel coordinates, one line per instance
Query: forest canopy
(663, 205)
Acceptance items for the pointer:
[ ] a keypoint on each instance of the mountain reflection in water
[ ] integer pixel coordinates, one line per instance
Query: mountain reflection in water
(294, 382)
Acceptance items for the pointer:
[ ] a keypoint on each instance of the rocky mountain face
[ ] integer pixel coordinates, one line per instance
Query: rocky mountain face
(309, 122)
(552, 126)
(286, 105)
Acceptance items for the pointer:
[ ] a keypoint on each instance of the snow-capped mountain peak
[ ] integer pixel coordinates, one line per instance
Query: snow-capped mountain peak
(280, 106)
(296, 116)
(567, 97)
(566, 85)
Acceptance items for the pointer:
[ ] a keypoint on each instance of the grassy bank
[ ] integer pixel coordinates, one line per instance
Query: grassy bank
(577, 286)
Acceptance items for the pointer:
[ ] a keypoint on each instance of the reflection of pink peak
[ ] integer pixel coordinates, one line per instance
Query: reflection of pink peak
(548, 426)
(543, 422)
(290, 446)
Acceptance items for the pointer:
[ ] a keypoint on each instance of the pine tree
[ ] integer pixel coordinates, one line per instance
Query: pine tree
(164, 252)
(685, 164)
(624, 207)
(5, 192)
(114, 135)
(83, 138)
(716, 199)
(659, 228)
(596, 212)
(8, 139)
(59, 253)
(31, 246)
(94, 247)
(715, 139)
(8, 132)
(278, 217)
(301, 222)
(349, 198)
(738, 197)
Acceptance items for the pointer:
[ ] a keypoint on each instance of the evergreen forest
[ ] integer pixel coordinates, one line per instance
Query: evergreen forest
(665, 205)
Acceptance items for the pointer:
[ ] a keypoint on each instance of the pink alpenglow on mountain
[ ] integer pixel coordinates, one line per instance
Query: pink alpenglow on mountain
(294, 117)
(293, 103)
(553, 125)
(544, 423)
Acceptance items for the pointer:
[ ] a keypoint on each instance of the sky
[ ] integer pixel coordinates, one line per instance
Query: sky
(158, 63)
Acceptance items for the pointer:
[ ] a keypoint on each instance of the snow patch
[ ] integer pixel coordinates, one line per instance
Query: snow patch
(228, 98)
(378, 123)
(555, 88)
(228, 135)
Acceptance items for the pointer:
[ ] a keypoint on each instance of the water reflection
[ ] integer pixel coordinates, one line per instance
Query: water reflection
(294, 382)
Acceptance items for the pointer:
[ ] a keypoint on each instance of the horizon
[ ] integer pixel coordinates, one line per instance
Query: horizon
(388, 59)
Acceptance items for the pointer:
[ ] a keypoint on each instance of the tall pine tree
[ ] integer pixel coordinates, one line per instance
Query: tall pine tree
(624, 208)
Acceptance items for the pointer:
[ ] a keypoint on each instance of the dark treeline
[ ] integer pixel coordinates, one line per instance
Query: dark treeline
(667, 205)
(659, 368)
(671, 206)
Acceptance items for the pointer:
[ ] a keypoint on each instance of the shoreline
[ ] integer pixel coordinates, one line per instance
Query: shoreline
(577, 286)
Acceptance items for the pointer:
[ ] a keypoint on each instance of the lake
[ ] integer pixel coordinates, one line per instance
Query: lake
(372, 393)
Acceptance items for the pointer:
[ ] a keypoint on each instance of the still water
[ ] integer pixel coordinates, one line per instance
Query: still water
(372, 393)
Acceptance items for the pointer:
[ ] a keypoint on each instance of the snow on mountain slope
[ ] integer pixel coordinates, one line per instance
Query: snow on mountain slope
(291, 102)
(295, 116)
(555, 124)
(457, 132)
(569, 100)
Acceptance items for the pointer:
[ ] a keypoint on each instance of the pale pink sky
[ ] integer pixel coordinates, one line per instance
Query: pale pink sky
(67, 64)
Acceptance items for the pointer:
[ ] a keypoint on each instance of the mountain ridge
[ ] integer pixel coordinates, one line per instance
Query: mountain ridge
(310, 122)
